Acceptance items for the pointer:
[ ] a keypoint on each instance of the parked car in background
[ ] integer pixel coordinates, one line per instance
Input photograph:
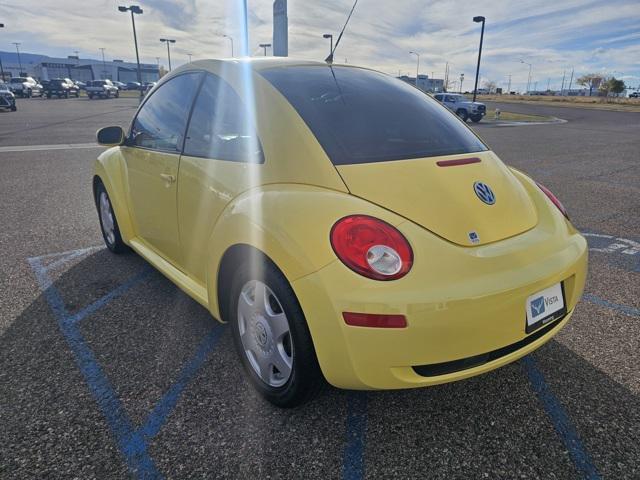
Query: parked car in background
(61, 87)
(80, 85)
(102, 88)
(148, 86)
(7, 98)
(634, 95)
(25, 86)
(462, 107)
(120, 85)
(133, 86)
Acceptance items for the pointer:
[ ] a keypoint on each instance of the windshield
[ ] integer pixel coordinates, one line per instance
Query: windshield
(18, 80)
(362, 116)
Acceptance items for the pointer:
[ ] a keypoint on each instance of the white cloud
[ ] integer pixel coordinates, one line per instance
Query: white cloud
(553, 36)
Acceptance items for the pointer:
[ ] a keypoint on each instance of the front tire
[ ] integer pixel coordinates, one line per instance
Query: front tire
(462, 113)
(271, 335)
(476, 118)
(108, 222)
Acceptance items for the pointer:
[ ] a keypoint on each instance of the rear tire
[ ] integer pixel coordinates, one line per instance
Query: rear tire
(257, 333)
(108, 222)
(462, 113)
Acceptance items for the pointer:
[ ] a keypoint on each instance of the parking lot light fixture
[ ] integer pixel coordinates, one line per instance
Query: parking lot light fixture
(17, 44)
(330, 36)
(478, 19)
(417, 66)
(231, 40)
(168, 41)
(135, 10)
(1, 67)
(265, 46)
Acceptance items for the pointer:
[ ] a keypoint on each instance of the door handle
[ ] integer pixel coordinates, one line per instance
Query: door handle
(168, 178)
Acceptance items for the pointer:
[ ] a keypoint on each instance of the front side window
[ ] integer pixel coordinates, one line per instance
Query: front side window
(362, 116)
(221, 127)
(162, 119)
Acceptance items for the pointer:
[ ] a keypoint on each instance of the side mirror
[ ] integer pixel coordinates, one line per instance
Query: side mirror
(110, 136)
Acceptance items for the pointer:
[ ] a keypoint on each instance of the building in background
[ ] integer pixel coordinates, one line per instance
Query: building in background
(280, 29)
(431, 85)
(46, 68)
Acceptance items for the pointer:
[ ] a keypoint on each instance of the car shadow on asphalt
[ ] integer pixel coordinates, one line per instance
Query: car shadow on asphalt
(113, 371)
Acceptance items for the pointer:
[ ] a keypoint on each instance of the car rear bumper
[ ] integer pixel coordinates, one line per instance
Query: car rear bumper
(465, 308)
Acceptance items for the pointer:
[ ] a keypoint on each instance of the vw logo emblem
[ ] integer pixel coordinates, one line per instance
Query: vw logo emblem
(484, 193)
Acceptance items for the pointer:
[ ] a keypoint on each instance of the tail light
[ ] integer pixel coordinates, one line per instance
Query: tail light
(554, 200)
(371, 247)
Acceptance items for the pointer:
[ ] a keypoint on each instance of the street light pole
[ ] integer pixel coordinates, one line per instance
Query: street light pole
(17, 44)
(478, 20)
(190, 55)
(330, 36)
(529, 78)
(231, 40)
(134, 9)
(417, 66)
(104, 65)
(265, 46)
(1, 67)
(168, 41)
(461, 80)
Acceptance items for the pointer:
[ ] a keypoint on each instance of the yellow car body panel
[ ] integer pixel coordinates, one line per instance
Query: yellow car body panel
(460, 299)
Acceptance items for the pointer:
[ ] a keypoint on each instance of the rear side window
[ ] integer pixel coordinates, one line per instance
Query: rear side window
(220, 127)
(361, 116)
(162, 119)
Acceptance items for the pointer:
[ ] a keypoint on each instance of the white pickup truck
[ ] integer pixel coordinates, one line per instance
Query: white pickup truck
(462, 107)
(102, 88)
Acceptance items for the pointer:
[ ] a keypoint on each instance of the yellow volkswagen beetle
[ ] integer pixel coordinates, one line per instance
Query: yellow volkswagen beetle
(346, 225)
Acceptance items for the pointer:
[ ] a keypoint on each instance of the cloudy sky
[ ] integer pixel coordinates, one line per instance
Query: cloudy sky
(554, 36)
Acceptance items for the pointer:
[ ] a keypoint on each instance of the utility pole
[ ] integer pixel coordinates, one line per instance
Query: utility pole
(509, 87)
(548, 83)
(461, 80)
(17, 44)
(446, 77)
(104, 65)
(570, 82)
(564, 73)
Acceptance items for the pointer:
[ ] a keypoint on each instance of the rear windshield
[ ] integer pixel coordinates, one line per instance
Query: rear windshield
(361, 116)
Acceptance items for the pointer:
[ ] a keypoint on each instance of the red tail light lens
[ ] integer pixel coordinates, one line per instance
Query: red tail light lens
(554, 200)
(371, 247)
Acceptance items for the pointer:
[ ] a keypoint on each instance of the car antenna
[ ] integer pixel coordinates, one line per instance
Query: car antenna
(329, 59)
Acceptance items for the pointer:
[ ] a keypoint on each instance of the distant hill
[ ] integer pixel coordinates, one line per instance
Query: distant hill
(26, 58)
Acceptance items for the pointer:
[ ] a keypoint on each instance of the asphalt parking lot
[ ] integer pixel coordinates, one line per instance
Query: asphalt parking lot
(109, 371)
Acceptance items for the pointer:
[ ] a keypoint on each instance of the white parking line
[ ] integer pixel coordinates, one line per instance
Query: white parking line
(60, 146)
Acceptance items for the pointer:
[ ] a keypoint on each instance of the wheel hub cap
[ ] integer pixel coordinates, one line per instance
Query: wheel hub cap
(264, 333)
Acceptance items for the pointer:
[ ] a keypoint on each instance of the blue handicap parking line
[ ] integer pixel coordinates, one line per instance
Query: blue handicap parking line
(560, 420)
(353, 461)
(630, 311)
(131, 441)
